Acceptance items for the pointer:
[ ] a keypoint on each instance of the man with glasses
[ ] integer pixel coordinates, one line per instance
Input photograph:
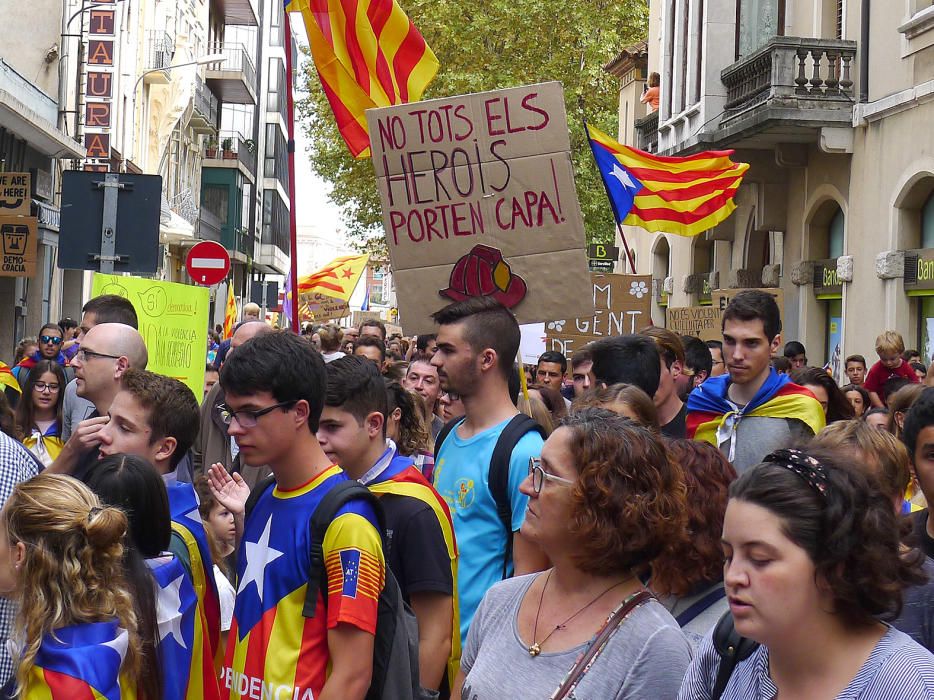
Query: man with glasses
(274, 387)
(50, 340)
(107, 351)
(214, 445)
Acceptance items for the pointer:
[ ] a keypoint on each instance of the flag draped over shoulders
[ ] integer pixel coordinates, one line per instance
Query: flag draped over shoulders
(368, 54)
(709, 407)
(681, 195)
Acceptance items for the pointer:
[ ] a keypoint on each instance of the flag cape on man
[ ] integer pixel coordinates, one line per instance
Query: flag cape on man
(685, 196)
(368, 54)
(708, 406)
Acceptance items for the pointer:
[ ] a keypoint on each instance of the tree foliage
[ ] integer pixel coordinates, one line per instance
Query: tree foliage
(486, 45)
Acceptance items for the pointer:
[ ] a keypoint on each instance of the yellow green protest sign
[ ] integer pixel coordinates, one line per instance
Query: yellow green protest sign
(173, 320)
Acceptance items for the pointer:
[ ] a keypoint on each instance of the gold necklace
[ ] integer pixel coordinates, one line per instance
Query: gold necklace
(535, 648)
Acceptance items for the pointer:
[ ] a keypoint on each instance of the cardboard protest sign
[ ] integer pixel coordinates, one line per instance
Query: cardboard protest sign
(173, 320)
(622, 304)
(478, 199)
(15, 194)
(19, 236)
(700, 321)
(318, 307)
(721, 297)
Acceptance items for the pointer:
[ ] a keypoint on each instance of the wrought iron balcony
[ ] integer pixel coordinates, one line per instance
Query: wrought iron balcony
(647, 132)
(234, 79)
(160, 49)
(205, 112)
(791, 82)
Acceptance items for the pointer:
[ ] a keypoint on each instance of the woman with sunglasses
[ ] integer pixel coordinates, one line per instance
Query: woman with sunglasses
(39, 411)
(605, 499)
(812, 566)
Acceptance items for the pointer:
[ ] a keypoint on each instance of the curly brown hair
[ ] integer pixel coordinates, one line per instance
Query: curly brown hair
(698, 560)
(616, 395)
(849, 531)
(73, 570)
(628, 503)
(413, 433)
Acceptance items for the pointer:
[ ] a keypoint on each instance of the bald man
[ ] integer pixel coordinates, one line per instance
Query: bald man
(214, 445)
(107, 351)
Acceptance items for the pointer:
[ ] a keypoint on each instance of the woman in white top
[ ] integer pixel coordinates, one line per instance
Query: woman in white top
(812, 561)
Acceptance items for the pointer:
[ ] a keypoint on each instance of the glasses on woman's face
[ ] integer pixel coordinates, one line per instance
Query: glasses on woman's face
(43, 387)
(540, 476)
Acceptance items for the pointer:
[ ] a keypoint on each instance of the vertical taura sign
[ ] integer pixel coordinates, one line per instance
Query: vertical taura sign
(98, 84)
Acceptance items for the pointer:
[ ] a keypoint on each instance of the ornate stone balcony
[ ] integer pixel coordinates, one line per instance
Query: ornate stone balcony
(788, 91)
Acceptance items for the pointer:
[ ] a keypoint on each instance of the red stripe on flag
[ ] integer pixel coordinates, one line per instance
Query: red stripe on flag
(407, 58)
(64, 686)
(379, 12)
(704, 155)
(354, 135)
(686, 193)
(357, 60)
(696, 419)
(688, 217)
(665, 175)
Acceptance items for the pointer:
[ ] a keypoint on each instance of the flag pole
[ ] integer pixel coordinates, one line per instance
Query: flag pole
(629, 254)
(293, 234)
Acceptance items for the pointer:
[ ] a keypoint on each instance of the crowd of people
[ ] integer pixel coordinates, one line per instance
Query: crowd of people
(343, 514)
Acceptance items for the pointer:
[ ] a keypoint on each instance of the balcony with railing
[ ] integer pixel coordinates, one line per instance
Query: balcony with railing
(160, 49)
(233, 80)
(242, 12)
(788, 90)
(231, 150)
(205, 110)
(647, 132)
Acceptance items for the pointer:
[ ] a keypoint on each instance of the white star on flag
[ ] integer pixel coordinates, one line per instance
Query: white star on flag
(194, 515)
(259, 555)
(169, 612)
(623, 177)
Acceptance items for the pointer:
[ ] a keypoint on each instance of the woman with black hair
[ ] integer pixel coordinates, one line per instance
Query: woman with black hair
(858, 398)
(176, 656)
(834, 402)
(812, 563)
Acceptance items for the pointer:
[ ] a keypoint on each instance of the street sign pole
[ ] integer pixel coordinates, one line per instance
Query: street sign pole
(111, 186)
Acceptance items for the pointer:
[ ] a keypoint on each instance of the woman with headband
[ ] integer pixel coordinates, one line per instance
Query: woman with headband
(811, 566)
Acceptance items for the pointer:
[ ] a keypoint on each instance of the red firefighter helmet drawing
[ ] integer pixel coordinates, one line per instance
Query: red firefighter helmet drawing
(483, 273)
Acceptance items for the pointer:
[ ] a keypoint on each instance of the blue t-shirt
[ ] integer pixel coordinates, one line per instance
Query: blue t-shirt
(462, 471)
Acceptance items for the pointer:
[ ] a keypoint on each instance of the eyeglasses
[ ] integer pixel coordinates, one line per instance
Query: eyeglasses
(54, 339)
(539, 475)
(451, 395)
(247, 418)
(42, 386)
(83, 354)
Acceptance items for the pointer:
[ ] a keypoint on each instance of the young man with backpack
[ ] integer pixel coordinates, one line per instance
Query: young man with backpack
(482, 458)
(420, 549)
(305, 616)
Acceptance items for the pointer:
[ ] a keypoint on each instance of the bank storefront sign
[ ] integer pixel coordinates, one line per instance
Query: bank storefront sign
(827, 283)
(919, 272)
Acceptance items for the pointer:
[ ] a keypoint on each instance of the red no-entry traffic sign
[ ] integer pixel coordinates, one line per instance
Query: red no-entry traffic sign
(208, 263)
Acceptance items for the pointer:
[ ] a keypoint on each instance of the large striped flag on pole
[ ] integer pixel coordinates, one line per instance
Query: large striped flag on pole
(685, 196)
(368, 54)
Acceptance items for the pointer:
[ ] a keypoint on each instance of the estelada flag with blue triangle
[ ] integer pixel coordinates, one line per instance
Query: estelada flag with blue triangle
(681, 195)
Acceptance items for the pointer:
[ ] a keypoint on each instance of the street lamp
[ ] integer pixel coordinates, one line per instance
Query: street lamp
(210, 58)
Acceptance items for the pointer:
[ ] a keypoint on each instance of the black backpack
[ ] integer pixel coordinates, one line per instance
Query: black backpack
(514, 431)
(731, 648)
(395, 646)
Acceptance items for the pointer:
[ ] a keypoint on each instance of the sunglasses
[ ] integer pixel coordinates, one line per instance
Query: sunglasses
(54, 339)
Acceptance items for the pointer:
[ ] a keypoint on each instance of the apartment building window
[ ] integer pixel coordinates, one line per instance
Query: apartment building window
(698, 51)
(276, 34)
(927, 223)
(757, 21)
(669, 54)
(275, 95)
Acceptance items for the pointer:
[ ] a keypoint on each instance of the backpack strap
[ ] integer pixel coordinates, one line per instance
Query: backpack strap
(445, 431)
(514, 431)
(258, 490)
(700, 606)
(325, 512)
(732, 648)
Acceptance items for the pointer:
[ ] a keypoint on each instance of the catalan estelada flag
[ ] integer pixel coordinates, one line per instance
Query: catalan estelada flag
(81, 662)
(368, 54)
(271, 645)
(401, 478)
(8, 379)
(684, 195)
(337, 279)
(188, 671)
(190, 543)
(230, 311)
(711, 417)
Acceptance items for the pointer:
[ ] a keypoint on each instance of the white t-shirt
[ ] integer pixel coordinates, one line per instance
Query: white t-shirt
(227, 595)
